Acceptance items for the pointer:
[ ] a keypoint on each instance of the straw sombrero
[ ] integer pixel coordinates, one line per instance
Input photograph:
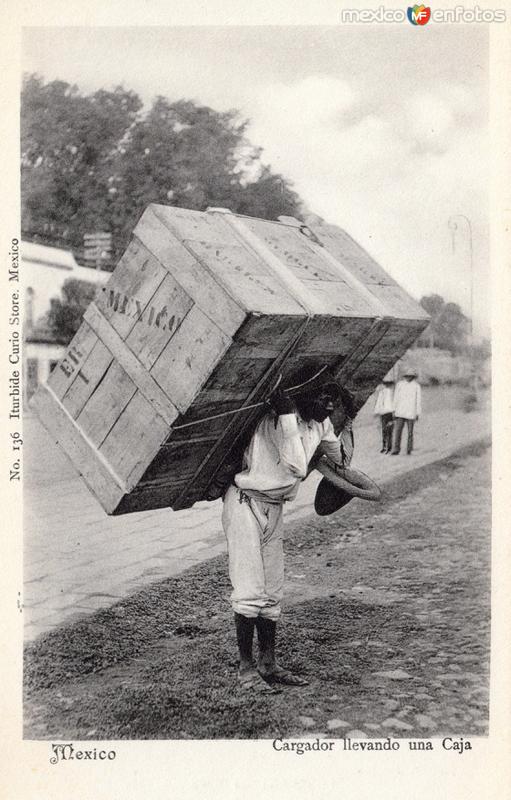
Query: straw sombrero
(340, 485)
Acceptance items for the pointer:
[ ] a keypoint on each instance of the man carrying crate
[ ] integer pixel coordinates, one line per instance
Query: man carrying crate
(274, 464)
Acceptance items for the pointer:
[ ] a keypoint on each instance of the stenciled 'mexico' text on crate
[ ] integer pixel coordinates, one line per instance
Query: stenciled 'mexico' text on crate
(202, 313)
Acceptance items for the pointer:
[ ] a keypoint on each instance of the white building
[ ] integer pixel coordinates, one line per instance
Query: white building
(44, 271)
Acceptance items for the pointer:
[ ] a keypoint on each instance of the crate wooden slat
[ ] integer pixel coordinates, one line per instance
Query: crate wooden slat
(203, 311)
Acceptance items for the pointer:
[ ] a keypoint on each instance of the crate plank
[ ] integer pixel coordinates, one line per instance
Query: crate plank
(197, 412)
(134, 439)
(106, 404)
(124, 298)
(179, 458)
(266, 334)
(398, 302)
(337, 298)
(87, 378)
(393, 344)
(334, 289)
(341, 245)
(248, 278)
(186, 362)
(235, 377)
(97, 475)
(361, 351)
(162, 317)
(130, 364)
(142, 498)
(69, 366)
(208, 294)
(193, 226)
(289, 281)
(338, 337)
(292, 248)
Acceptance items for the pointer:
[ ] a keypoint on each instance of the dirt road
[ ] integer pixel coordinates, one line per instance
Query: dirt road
(77, 559)
(387, 614)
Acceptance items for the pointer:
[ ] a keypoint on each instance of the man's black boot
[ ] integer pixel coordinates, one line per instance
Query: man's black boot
(248, 677)
(245, 637)
(267, 665)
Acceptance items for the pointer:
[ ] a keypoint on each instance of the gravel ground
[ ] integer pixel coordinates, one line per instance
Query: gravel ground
(387, 613)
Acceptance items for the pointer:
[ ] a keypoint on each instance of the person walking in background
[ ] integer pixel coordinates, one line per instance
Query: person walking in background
(384, 409)
(407, 408)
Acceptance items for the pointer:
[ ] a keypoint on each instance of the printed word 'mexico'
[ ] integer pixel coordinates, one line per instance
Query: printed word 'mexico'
(131, 307)
(15, 264)
(66, 752)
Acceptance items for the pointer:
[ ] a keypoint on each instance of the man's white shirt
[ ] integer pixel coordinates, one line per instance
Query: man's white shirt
(407, 399)
(384, 400)
(278, 456)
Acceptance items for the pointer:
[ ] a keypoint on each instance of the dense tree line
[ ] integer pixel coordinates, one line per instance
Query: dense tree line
(94, 162)
(66, 312)
(450, 329)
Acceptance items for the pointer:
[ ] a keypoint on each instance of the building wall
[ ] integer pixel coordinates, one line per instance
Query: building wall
(44, 272)
(39, 358)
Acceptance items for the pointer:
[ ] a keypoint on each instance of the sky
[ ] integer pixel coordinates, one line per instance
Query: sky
(383, 129)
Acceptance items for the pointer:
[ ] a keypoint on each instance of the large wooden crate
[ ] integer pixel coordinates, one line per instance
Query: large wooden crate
(201, 314)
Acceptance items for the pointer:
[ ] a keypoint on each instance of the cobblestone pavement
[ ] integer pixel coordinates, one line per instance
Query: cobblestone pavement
(77, 559)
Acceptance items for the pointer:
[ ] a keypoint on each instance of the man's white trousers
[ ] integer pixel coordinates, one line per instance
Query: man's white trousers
(256, 561)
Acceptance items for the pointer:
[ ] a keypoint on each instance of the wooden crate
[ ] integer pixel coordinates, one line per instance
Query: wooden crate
(202, 313)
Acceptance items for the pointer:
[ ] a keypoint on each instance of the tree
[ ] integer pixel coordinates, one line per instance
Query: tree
(192, 156)
(66, 313)
(94, 162)
(449, 326)
(68, 151)
(452, 327)
(481, 351)
(433, 304)
(269, 197)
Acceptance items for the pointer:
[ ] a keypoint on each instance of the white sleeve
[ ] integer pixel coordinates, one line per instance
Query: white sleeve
(378, 402)
(418, 401)
(289, 445)
(329, 433)
(330, 444)
(397, 392)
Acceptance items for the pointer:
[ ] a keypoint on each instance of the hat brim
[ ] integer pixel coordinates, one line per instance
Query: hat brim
(327, 387)
(340, 485)
(329, 499)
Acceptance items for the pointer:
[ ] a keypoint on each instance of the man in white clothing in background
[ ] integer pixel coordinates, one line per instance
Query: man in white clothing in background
(384, 409)
(407, 408)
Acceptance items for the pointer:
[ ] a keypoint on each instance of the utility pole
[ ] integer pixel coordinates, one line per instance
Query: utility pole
(453, 226)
